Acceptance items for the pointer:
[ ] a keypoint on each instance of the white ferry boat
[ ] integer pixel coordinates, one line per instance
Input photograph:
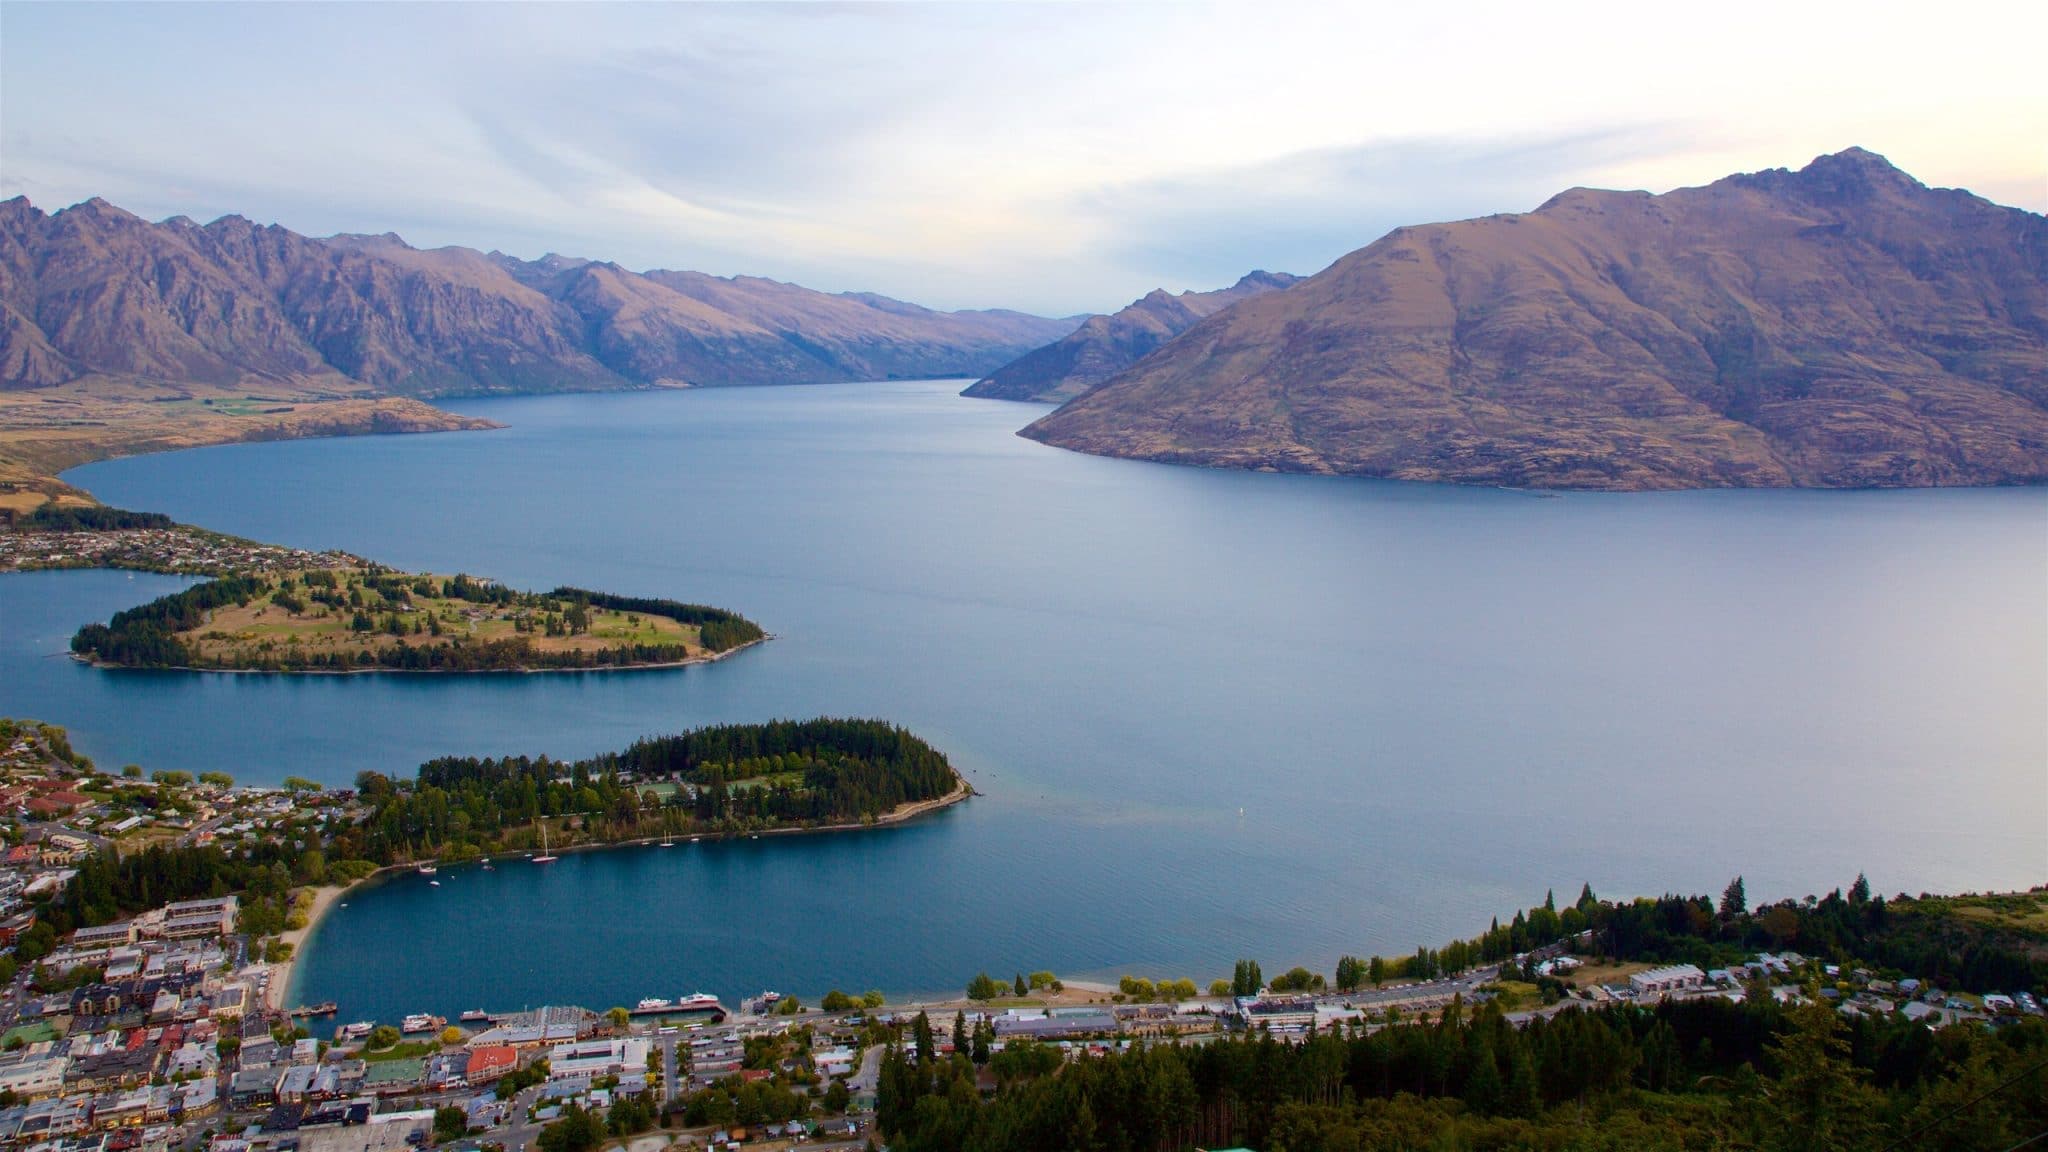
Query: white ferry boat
(697, 1002)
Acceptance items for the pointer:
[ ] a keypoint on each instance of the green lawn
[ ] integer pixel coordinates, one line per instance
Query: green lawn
(409, 1050)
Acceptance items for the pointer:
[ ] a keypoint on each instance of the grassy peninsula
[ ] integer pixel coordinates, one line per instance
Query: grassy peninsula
(369, 618)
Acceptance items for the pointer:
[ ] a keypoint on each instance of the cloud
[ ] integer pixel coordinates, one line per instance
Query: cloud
(1298, 213)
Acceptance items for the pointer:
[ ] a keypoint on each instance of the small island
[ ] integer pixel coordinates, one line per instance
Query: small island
(348, 615)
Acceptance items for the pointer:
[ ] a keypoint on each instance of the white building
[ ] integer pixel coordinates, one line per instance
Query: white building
(1674, 978)
(594, 1058)
(34, 1079)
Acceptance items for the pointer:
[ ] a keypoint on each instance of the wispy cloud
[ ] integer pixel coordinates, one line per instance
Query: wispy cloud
(1300, 212)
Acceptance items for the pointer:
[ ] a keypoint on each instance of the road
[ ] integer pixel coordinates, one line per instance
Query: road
(868, 1077)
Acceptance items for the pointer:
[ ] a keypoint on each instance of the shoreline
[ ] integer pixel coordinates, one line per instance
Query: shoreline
(328, 895)
(274, 992)
(373, 670)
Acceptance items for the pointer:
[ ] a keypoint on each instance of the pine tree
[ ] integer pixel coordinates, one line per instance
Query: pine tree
(1483, 1090)
(1734, 902)
(927, 1046)
(1523, 1097)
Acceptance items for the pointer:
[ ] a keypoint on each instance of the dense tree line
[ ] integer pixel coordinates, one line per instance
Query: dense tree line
(108, 888)
(146, 635)
(1704, 1073)
(89, 518)
(461, 655)
(743, 776)
(720, 630)
(1906, 937)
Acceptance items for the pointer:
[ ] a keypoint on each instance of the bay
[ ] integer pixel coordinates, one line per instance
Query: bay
(1211, 714)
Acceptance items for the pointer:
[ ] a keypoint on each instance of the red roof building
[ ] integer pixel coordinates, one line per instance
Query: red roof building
(490, 1061)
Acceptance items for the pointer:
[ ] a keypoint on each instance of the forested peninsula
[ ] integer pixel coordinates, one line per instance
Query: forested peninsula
(371, 618)
(723, 780)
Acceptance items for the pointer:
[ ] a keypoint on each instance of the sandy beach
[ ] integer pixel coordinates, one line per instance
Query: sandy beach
(281, 974)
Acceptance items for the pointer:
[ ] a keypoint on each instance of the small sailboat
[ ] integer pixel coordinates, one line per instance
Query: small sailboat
(428, 868)
(544, 857)
(434, 883)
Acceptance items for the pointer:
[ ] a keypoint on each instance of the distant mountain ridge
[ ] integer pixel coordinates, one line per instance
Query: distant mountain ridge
(1106, 345)
(94, 291)
(1838, 326)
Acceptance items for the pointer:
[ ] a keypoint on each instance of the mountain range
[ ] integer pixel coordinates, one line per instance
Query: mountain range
(1837, 326)
(96, 292)
(1106, 345)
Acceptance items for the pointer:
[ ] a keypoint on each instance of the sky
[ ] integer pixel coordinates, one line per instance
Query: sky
(1053, 157)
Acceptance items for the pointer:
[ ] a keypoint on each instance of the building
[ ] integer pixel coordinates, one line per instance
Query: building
(1277, 1013)
(105, 936)
(1672, 978)
(490, 1061)
(594, 1058)
(1049, 1026)
(551, 1025)
(12, 927)
(230, 1002)
(34, 1079)
(192, 919)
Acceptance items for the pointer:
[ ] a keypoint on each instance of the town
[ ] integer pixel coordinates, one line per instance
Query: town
(168, 1029)
(174, 548)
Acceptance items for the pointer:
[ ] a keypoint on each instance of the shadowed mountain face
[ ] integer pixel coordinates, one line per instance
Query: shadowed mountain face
(95, 291)
(1838, 326)
(1106, 345)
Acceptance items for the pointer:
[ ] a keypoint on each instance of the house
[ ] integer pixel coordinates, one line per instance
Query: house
(13, 926)
(51, 805)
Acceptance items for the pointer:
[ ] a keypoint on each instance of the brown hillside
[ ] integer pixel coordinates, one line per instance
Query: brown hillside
(1838, 326)
(96, 291)
(1106, 345)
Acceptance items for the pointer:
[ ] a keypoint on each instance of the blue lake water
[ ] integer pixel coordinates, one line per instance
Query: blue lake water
(1212, 714)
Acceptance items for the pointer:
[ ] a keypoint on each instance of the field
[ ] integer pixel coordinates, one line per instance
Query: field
(367, 612)
(46, 430)
(2022, 913)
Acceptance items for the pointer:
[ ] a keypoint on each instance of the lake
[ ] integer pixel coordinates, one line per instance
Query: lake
(1212, 714)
